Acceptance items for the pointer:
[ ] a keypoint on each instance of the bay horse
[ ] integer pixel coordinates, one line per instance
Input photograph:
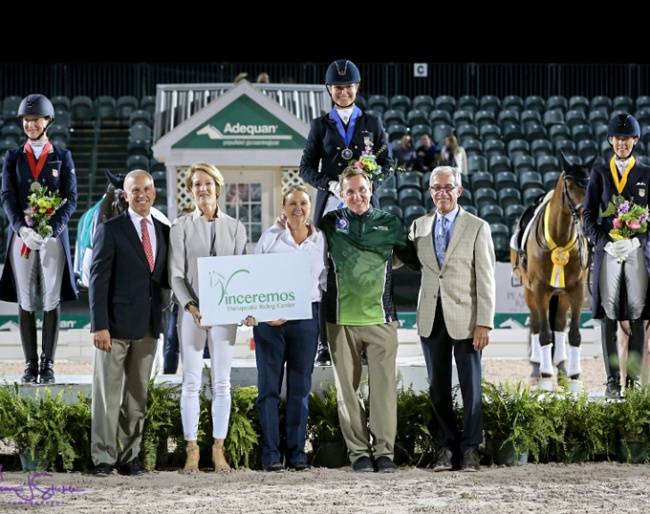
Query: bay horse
(550, 256)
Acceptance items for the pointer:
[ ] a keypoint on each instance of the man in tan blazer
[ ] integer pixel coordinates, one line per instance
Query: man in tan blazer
(455, 312)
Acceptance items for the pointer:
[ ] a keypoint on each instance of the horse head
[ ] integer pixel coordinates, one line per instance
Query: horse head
(574, 182)
(113, 203)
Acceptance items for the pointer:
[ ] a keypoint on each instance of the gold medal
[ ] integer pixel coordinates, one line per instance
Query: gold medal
(346, 154)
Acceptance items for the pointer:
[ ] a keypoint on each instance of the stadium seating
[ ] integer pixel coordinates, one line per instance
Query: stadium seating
(509, 196)
(446, 103)
(505, 179)
(492, 213)
(557, 102)
(400, 102)
(412, 212)
(481, 179)
(579, 102)
(467, 103)
(489, 103)
(501, 241)
(485, 196)
(82, 110)
(424, 103)
(378, 103)
(512, 102)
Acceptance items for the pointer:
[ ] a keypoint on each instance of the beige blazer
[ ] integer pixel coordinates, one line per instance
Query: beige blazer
(188, 240)
(466, 282)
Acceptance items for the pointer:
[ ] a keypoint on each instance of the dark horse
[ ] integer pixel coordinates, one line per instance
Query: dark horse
(550, 257)
(112, 204)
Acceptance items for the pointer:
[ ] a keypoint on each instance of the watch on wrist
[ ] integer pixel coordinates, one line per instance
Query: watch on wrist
(189, 304)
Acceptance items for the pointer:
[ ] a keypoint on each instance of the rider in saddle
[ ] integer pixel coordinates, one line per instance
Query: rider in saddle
(620, 274)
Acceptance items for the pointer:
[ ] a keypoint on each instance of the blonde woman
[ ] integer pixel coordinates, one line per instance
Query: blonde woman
(454, 155)
(207, 231)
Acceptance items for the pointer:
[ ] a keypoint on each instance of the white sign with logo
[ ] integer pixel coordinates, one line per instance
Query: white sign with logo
(267, 286)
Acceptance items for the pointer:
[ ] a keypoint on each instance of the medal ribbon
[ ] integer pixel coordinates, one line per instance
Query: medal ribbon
(620, 184)
(37, 167)
(560, 254)
(346, 134)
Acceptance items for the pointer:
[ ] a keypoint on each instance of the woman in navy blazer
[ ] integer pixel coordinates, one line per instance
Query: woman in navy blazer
(32, 166)
(334, 140)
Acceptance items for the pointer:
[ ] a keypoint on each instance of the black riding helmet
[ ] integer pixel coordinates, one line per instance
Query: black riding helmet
(36, 105)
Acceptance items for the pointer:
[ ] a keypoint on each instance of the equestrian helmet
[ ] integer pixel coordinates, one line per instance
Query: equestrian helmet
(623, 125)
(36, 105)
(342, 72)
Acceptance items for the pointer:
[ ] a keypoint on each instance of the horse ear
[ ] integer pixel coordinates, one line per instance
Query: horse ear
(590, 163)
(565, 163)
(117, 182)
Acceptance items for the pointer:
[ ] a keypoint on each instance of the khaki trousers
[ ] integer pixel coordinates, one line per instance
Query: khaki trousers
(373, 435)
(119, 399)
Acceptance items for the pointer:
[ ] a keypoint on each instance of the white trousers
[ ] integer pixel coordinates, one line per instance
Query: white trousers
(26, 272)
(221, 341)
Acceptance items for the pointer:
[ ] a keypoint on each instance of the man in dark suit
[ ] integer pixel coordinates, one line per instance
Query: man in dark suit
(127, 277)
(334, 140)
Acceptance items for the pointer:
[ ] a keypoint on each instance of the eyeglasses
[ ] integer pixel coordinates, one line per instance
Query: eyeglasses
(446, 189)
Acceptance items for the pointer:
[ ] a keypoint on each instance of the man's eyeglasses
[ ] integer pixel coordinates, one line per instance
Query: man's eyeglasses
(446, 189)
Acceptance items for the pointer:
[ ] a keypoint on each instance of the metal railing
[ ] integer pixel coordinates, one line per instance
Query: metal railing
(389, 78)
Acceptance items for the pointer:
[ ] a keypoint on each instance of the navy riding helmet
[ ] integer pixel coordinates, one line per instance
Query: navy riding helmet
(36, 105)
(342, 72)
(623, 125)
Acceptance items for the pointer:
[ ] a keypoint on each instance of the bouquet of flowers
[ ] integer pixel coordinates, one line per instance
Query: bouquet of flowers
(630, 218)
(40, 209)
(368, 162)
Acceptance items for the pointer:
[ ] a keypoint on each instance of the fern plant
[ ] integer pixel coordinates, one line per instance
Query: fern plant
(52, 429)
(513, 413)
(323, 423)
(163, 408)
(242, 442)
(415, 421)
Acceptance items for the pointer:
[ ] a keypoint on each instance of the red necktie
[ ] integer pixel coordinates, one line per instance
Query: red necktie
(146, 242)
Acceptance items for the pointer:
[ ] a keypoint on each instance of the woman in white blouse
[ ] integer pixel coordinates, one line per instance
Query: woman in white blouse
(290, 342)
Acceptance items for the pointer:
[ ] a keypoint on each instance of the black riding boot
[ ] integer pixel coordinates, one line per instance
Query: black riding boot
(323, 357)
(50, 338)
(635, 349)
(28, 336)
(610, 356)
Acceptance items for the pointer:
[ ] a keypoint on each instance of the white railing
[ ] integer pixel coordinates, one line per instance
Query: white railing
(175, 103)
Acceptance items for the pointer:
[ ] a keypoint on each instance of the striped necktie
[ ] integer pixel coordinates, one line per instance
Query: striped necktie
(146, 242)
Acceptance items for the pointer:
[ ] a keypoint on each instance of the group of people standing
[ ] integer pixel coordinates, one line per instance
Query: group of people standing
(353, 248)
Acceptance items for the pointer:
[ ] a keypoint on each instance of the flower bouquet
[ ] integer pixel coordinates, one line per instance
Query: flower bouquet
(368, 162)
(630, 218)
(40, 209)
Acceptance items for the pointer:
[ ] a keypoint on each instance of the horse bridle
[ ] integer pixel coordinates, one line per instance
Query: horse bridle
(575, 224)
